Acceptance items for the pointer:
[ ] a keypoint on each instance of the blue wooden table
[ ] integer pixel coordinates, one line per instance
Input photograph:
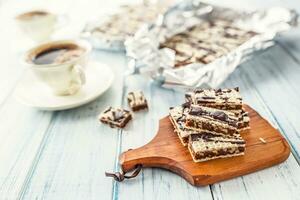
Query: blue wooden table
(63, 155)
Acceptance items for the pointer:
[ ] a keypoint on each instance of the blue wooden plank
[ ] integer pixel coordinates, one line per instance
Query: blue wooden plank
(22, 132)
(276, 80)
(21, 129)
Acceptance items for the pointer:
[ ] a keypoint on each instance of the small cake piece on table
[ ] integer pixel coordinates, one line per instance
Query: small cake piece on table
(205, 147)
(200, 118)
(137, 100)
(115, 117)
(225, 99)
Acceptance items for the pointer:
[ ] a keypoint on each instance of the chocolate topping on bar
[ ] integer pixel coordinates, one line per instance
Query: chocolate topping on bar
(209, 137)
(217, 91)
(208, 146)
(208, 97)
(114, 114)
(186, 105)
(220, 116)
(227, 99)
(214, 113)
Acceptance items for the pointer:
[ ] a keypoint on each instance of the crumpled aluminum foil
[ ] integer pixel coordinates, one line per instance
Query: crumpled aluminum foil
(110, 32)
(102, 43)
(145, 56)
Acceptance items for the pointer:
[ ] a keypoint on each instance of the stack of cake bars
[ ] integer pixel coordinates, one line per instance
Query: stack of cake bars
(210, 123)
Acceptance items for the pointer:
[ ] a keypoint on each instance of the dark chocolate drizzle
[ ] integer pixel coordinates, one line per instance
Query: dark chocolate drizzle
(188, 98)
(107, 110)
(209, 137)
(219, 91)
(198, 90)
(207, 97)
(218, 115)
(202, 99)
(186, 105)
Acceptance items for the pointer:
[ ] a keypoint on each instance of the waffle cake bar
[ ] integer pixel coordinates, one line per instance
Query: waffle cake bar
(207, 146)
(206, 42)
(209, 123)
(224, 99)
(137, 101)
(210, 119)
(178, 118)
(115, 117)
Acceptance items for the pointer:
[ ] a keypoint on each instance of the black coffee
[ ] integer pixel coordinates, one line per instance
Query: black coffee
(57, 54)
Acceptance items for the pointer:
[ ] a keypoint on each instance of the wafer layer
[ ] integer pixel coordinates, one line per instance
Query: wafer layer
(225, 99)
(208, 146)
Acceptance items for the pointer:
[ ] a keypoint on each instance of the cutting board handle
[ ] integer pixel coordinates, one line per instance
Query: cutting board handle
(149, 155)
(120, 176)
(159, 152)
(131, 159)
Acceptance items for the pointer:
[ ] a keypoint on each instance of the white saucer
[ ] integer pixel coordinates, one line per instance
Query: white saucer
(31, 92)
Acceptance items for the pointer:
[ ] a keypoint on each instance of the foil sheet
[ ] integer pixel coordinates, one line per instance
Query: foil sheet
(110, 32)
(146, 57)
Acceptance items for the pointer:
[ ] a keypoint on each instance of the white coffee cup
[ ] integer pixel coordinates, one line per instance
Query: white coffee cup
(39, 25)
(64, 78)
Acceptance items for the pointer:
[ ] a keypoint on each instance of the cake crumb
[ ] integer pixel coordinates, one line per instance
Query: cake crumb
(262, 140)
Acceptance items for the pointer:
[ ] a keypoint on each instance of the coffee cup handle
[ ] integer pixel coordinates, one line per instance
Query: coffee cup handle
(78, 79)
(62, 20)
(79, 74)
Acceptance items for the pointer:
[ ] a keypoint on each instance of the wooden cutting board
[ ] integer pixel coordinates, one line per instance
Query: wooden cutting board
(166, 151)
